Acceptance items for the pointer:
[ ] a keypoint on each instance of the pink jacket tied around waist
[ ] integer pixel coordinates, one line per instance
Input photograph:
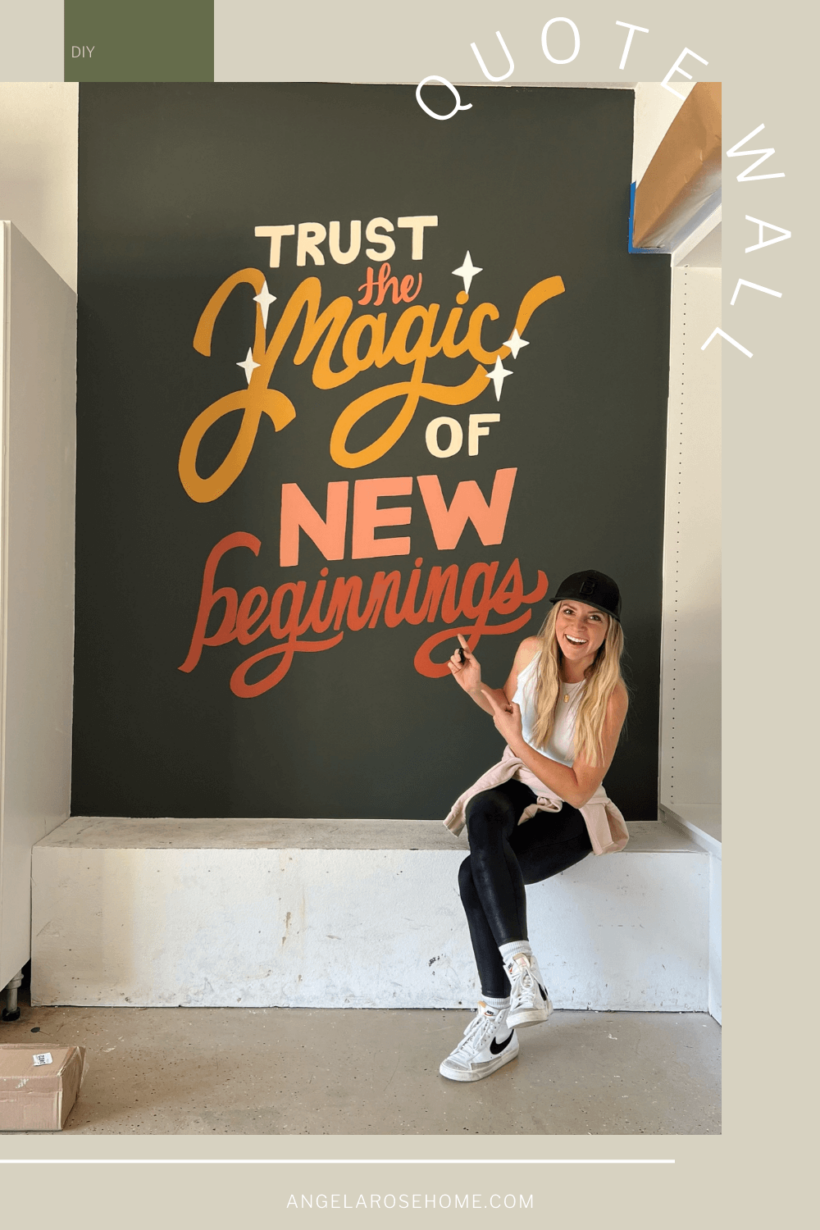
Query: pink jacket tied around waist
(605, 824)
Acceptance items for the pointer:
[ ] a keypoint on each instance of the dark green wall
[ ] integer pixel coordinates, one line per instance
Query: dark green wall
(173, 180)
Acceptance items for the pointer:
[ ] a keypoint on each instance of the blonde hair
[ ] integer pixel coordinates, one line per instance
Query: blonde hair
(601, 681)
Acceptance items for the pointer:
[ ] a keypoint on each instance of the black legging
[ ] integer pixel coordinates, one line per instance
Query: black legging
(504, 856)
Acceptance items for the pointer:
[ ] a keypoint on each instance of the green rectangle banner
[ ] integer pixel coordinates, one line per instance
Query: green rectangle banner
(155, 40)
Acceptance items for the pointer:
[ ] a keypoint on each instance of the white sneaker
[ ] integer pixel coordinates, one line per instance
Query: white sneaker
(480, 1051)
(529, 1001)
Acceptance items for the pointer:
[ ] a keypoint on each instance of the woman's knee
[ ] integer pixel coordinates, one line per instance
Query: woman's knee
(486, 818)
(542, 863)
(466, 884)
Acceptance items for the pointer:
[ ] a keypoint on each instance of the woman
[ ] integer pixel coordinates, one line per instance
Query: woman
(543, 807)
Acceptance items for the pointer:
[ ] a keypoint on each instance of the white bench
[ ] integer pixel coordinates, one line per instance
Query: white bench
(360, 914)
(702, 822)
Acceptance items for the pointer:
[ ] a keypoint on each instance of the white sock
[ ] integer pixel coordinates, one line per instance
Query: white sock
(497, 1005)
(514, 949)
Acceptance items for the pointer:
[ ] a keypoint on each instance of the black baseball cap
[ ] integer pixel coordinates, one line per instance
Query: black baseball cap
(594, 588)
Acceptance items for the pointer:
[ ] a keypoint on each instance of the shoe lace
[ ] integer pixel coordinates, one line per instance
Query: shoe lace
(522, 977)
(480, 1028)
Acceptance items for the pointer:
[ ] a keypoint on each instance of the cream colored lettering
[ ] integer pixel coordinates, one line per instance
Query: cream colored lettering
(311, 234)
(353, 248)
(276, 234)
(417, 224)
(374, 232)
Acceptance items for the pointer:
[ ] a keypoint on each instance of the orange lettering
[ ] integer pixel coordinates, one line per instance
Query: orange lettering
(475, 599)
(367, 516)
(209, 598)
(468, 504)
(299, 514)
(323, 330)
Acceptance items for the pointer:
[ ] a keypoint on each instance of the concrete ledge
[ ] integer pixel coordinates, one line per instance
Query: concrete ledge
(700, 821)
(320, 913)
(115, 833)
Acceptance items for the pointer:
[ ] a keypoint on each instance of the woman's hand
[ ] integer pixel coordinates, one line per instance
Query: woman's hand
(467, 673)
(507, 721)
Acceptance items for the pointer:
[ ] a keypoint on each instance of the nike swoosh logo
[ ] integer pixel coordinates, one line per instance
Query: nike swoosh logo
(497, 1047)
(543, 992)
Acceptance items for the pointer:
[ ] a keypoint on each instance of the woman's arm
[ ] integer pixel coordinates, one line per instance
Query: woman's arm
(575, 785)
(468, 675)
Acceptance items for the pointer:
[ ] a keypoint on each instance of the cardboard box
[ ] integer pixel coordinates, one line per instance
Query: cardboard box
(38, 1085)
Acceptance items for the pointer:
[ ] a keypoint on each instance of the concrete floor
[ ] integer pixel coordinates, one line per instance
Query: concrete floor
(302, 1071)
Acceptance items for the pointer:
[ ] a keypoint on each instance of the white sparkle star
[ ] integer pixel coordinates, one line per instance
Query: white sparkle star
(498, 375)
(248, 364)
(467, 271)
(515, 343)
(265, 299)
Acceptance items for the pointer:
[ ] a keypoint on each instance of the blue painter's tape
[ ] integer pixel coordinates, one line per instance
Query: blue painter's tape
(638, 251)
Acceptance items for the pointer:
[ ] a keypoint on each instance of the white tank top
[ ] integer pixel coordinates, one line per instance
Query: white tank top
(561, 745)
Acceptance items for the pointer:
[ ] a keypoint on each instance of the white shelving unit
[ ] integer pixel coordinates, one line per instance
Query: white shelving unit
(690, 727)
(37, 425)
(690, 736)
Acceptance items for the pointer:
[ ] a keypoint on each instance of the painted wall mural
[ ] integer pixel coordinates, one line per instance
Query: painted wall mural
(350, 382)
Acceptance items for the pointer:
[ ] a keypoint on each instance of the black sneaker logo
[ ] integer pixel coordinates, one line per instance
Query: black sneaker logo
(543, 992)
(497, 1047)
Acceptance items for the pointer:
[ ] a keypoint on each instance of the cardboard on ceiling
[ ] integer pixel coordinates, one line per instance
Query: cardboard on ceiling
(683, 174)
